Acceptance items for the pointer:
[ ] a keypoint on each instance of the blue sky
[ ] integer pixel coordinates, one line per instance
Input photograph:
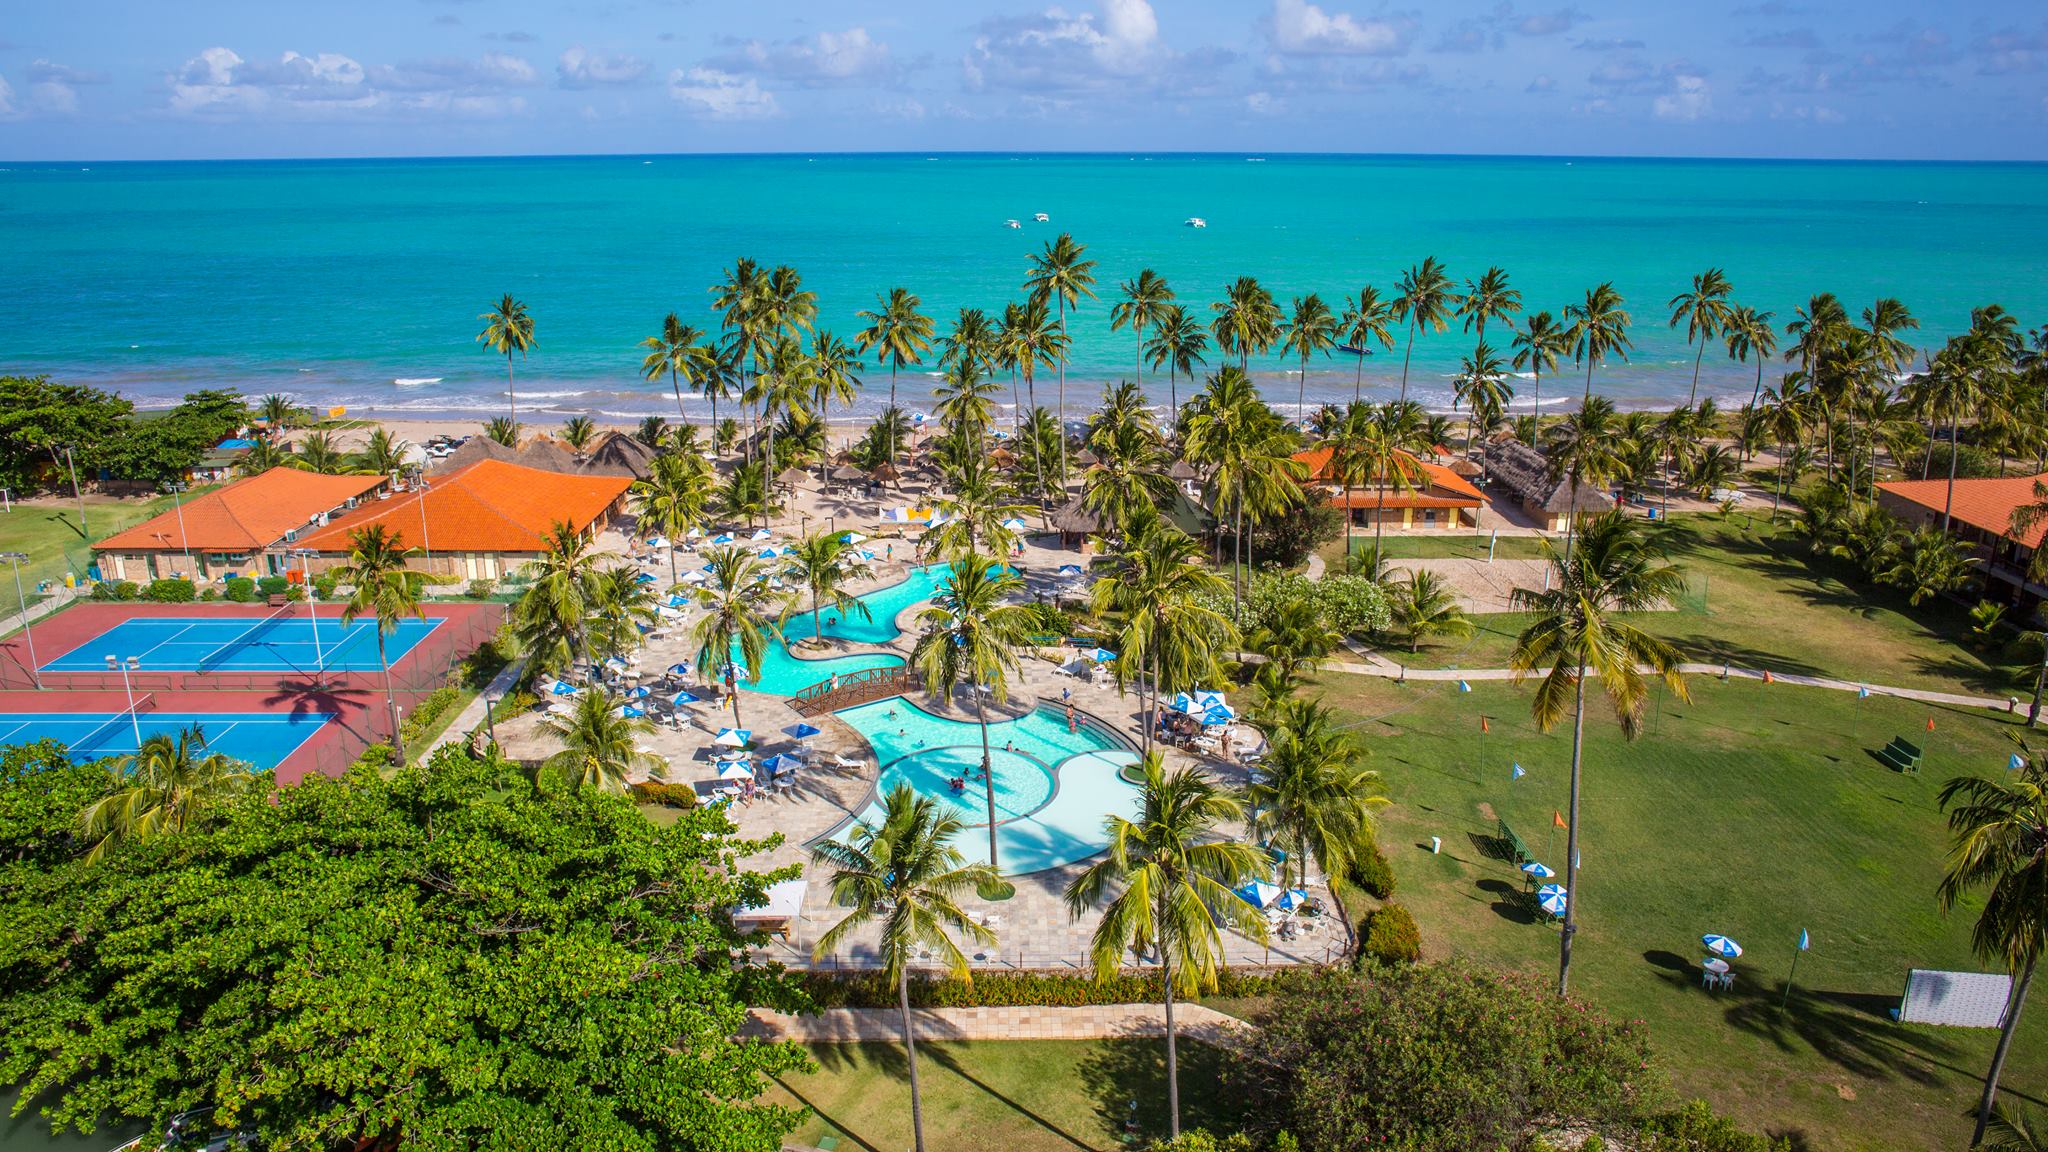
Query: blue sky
(86, 79)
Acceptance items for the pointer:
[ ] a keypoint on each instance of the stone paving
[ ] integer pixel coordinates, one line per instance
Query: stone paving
(1105, 1022)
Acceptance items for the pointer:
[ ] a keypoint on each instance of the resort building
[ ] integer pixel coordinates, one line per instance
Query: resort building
(1436, 497)
(1980, 515)
(1550, 501)
(481, 522)
(1078, 527)
(243, 528)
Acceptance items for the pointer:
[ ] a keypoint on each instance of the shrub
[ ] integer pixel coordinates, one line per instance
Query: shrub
(480, 589)
(116, 590)
(1695, 1128)
(170, 590)
(210, 595)
(1199, 1140)
(273, 585)
(1391, 936)
(427, 712)
(665, 794)
(1435, 1058)
(242, 590)
(375, 757)
(323, 585)
(1018, 989)
(1372, 873)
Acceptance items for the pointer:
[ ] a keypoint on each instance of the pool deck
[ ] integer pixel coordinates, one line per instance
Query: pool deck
(1034, 930)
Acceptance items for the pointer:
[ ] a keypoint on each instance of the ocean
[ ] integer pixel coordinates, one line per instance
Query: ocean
(359, 282)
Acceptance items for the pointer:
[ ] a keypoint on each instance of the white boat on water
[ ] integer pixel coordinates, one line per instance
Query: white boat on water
(1011, 224)
(1041, 217)
(1195, 222)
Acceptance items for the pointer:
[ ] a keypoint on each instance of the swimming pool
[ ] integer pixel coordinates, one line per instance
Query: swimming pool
(785, 674)
(1052, 786)
(264, 740)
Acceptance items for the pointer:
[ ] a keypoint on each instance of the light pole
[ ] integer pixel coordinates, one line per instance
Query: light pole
(15, 560)
(76, 494)
(175, 487)
(491, 716)
(313, 610)
(132, 664)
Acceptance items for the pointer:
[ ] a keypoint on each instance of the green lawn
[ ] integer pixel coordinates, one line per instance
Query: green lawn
(1754, 811)
(48, 531)
(1465, 544)
(1760, 598)
(1014, 1095)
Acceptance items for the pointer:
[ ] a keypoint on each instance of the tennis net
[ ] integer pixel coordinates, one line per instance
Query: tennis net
(124, 719)
(248, 638)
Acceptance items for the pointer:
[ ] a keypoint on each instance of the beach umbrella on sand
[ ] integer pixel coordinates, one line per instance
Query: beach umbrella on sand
(1100, 655)
(1258, 893)
(692, 534)
(679, 669)
(1217, 716)
(733, 737)
(1720, 945)
(769, 553)
(627, 711)
(1015, 525)
(802, 731)
(1292, 898)
(1070, 570)
(657, 541)
(1539, 871)
(563, 688)
(644, 578)
(735, 770)
(682, 698)
(762, 534)
(639, 692)
(1551, 899)
(851, 538)
(694, 578)
(678, 600)
(721, 538)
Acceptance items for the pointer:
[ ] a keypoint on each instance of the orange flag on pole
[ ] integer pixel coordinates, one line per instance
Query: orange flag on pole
(1557, 818)
(1484, 726)
(1930, 723)
(1767, 675)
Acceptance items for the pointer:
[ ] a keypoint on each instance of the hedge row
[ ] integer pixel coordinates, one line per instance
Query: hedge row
(1017, 989)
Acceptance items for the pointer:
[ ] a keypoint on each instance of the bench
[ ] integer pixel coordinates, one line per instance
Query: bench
(1518, 852)
(279, 600)
(1901, 754)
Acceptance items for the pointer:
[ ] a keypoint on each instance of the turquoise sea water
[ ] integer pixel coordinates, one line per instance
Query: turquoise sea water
(333, 280)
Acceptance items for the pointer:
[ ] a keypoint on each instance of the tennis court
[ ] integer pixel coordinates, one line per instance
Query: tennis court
(264, 740)
(285, 642)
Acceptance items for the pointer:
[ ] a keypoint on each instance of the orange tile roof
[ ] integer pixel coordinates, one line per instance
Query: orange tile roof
(1986, 504)
(247, 515)
(1457, 492)
(490, 506)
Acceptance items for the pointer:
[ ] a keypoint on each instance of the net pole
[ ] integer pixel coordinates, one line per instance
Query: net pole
(313, 610)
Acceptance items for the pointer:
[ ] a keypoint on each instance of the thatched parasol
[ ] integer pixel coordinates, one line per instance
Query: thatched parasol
(848, 473)
(887, 473)
(792, 477)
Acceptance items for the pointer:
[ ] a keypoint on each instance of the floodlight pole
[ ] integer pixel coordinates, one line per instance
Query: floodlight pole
(175, 487)
(313, 610)
(76, 494)
(14, 561)
(132, 663)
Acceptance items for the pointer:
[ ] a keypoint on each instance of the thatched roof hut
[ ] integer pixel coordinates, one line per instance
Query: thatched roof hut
(847, 473)
(792, 477)
(618, 454)
(546, 454)
(1525, 472)
(474, 449)
(886, 473)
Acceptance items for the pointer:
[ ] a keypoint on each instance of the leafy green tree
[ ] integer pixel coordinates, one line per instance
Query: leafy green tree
(1315, 797)
(1295, 638)
(1158, 597)
(674, 498)
(1031, 341)
(468, 958)
(1166, 884)
(1482, 386)
(1599, 329)
(679, 352)
(382, 588)
(905, 876)
(319, 453)
(1705, 311)
(39, 419)
(1367, 321)
(167, 786)
(1246, 321)
(1144, 304)
(1747, 333)
(600, 745)
(551, 619)
(1177, 343)
(1489, 298)
(508, 328)
(1424, 607)
(278, 414)
(1578, 626)
(970, 641)
(620, 605)
(382, 453)
(1537, 348)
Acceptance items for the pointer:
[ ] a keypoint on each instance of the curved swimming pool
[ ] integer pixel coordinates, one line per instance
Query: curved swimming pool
(1053, 786)
(783, 673)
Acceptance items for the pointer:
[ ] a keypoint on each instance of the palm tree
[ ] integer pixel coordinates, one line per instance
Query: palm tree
(1599, 329)
(2017, 1130)
(508, 328)
(1578, 628)
(1129, 476)
(1537, 349)
(1177, 342)
(1031, 342)
(1949, 388)
(382, 453)
(786, 388)
(905, 874)
(1375, 447)
(978, 509)
(1748, 333)
(1482, 386)
(383, 589)
(1425, 607)
(966, 403)
(600, 745)
(739, 611)
(166, 787)
(835, 378)
(1156, 595)
(903, 334)
(578, 432)
(1489, 298)
(1145, 303)
(653, 431)
(621, 605)
(1175, 872)
(550, 620)
(1294, 638)
(674, 497)
(1704, 310)
(502, 430)
(1316, 798)
(1247, 321)
(1999, 846)
(1366, 321)
(824, 564)
(678, 350)
(1250, 461)
(262, 456)
(971, 638)
(318, 453)
(1059, 275)
(1584, 450)
(1311, 329)
(277, 413)
(1425, 301)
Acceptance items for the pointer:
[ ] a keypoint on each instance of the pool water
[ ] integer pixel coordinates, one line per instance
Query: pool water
(1052, 786)
(786, 674)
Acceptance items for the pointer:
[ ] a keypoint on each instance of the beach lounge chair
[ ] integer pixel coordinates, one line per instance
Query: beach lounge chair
(843, 762)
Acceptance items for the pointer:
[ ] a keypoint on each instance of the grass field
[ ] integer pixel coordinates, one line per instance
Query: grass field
(47, 530)
(1754, 811)
(1014, 1095)
(1761, 599)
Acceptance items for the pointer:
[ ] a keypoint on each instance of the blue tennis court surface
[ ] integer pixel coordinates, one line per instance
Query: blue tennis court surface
(247, 644)
(263, 739)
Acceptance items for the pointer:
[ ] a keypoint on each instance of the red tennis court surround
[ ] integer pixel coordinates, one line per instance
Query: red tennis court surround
(355, 698)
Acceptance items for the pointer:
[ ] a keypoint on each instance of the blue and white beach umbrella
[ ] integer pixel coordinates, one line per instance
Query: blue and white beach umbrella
(722, 538)
(614, 662)
(563, 688)
(639, 692)
(1070, 569)
(851, 537)
(682, 698)
(762, 534)
(678, 600)
(1258, 893)
(657, 541)
(735, 770)
(679, 669)
(733, 737)
(1720, 945)
(1220, 714)
(1539, 871)
(769, 553)
(1551, 899)
(644, 578)
(1101, 655)
(1014, 524)
(802, 731)
(1293, 898)
(627, 711)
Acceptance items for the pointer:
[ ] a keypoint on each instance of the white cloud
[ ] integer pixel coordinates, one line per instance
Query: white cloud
(1264, 104)
(219, 82)
(718, 95)
(48, 72)
(7, 111)
(1301, 28)
(1065, 52)
(1689, 98)
(580, 69)
(53, 98)
(824, 60)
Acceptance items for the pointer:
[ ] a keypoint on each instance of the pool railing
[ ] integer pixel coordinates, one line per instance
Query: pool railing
(851, 688)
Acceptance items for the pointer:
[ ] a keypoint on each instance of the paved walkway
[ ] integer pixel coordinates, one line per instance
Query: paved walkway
(1102, 1022)
(1376, 665)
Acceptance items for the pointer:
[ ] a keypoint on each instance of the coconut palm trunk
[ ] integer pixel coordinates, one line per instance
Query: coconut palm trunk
(988, 772)
(1358, 380)
(2005, 1032)
(1571, 837)
(1948, 504)
(511, 397)
(910, 1057)
(1407, 351)
(1063, 397)
(1172, 1052)
(390, 697)
(1692, 395)
(676, 383)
